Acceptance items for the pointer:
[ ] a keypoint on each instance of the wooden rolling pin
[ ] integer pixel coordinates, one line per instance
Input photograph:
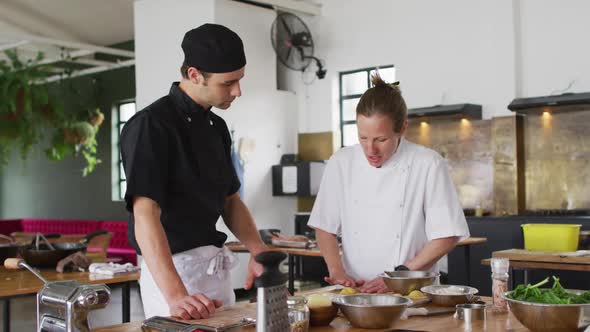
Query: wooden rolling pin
(17, 264)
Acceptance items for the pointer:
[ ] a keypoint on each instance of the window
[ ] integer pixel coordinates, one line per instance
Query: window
(352, 85)
(124, 112)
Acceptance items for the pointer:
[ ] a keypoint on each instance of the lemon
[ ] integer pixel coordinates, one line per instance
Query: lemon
(348, 291)
(416, 294)
(318, 300)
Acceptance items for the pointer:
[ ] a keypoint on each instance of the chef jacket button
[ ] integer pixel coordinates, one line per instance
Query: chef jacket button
(189, 119)
(211, 122)
(401, 205)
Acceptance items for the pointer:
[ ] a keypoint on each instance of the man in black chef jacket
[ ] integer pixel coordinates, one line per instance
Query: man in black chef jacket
(180, 180)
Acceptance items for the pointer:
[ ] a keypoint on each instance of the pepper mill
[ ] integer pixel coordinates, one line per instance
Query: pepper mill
(271, 309)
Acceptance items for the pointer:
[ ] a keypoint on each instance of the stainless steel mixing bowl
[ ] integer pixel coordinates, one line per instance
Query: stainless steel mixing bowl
(540, 317)
(372, 311)
(403, 282)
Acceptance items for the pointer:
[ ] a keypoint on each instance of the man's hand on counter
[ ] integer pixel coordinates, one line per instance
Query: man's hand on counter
(194, 306)
(376, 285)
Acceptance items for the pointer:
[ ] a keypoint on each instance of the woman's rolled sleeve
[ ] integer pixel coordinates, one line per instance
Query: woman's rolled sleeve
(442, 209)
(326, 212)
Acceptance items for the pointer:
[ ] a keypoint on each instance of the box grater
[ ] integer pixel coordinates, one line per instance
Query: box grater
(271, 309)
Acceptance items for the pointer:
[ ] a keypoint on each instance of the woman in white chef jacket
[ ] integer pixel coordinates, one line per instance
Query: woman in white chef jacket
(392, 201)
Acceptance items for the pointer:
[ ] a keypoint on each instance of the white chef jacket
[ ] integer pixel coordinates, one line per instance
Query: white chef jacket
(387, 215)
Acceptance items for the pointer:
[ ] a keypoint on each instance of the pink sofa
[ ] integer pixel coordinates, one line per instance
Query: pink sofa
(119, 247)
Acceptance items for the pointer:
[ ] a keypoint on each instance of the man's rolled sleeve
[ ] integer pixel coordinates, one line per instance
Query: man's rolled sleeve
(145, 160)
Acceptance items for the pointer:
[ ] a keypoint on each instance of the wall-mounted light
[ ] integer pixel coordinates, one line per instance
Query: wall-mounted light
(567, 102)
(455, 111)
(423, 124)
(546, 118)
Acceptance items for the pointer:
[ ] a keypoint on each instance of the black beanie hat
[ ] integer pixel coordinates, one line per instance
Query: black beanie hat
(213, 48)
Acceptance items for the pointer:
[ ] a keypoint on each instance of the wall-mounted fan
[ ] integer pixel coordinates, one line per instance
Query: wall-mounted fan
(293, 44)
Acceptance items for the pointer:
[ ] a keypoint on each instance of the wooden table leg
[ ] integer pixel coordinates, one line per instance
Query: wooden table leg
(6, 324)
(126, 299)
(291, 284)
(468, 264)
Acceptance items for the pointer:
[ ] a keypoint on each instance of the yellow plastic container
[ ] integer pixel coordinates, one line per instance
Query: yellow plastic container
(551, 237)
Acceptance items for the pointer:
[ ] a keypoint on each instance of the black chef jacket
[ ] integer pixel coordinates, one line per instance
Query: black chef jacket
(178, 154)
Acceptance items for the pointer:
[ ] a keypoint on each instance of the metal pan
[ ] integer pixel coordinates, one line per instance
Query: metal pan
(10, 248)
(43, 256)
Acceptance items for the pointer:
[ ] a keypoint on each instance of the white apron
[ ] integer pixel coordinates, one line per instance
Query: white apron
(202, 270)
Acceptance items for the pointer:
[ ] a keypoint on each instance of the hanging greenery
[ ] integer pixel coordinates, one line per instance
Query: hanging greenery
(29, 114)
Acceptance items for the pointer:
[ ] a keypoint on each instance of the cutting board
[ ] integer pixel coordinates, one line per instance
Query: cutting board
(228, 316)
(575, 257)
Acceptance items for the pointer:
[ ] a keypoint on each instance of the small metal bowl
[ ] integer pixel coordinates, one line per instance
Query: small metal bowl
(540, 317)
(403, 282)
(372, 311)
(471, 311)
(467, 295)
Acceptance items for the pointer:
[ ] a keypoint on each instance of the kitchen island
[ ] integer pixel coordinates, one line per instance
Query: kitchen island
(445, 322)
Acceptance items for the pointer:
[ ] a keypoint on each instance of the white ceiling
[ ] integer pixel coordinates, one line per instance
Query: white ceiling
(98, 22)
(74, 30)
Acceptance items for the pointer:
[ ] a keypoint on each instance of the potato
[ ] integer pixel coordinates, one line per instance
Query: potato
(318, 301)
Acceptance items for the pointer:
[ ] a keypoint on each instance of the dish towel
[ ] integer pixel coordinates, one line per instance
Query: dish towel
(112, 268)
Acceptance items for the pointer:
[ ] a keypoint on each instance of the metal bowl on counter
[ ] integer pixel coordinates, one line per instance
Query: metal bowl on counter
(403, 282)
(471, 311)
(371, 311)
(450, 295)
(541, 317)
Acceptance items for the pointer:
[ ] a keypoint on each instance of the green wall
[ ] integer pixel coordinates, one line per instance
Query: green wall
(40, 188)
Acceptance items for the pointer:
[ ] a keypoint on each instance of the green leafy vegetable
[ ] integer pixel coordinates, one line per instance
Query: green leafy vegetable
(554, 295)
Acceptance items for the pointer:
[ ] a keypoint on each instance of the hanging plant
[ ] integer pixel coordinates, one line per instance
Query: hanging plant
(77, 138)
(28, 114)
(20, 100)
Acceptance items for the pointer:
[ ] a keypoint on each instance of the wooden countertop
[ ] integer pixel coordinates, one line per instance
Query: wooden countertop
(580, 257)
(312, 252)
(445, 322)
(315, 252)
(20, 282)
(525, 259)
(472, 240)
